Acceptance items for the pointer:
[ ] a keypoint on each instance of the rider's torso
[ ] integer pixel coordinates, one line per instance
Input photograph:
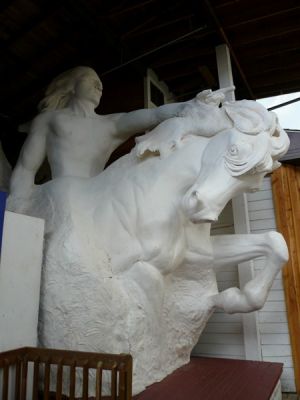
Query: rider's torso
(79, 146)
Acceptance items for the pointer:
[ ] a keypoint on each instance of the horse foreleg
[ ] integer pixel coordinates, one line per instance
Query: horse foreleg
(235, 249)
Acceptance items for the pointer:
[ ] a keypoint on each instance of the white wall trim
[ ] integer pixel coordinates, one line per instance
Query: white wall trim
(151, 77)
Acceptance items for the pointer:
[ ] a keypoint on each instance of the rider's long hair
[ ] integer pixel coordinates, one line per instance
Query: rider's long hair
(61, 89)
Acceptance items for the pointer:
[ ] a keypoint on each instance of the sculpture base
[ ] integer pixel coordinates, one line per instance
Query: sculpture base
(215, 379)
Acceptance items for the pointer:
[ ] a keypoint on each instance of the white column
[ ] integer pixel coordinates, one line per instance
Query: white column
(224, 69)
(241, 220)
(20, 276)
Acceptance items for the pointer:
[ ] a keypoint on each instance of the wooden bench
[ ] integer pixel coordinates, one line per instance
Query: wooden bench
(217, 379)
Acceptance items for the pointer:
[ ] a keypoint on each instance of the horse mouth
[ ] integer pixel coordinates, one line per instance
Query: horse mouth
(203, 217)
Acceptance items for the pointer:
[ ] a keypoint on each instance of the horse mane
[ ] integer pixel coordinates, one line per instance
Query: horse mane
(203, 120)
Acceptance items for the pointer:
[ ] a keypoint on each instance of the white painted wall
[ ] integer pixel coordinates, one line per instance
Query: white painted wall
(20, 274)
(273, 327)
(223, 334)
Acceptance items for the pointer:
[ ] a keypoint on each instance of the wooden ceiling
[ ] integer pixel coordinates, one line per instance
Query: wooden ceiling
(177, 39)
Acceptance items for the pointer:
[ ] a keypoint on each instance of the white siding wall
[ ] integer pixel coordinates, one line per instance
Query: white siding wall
(223, 334)
(273, 327)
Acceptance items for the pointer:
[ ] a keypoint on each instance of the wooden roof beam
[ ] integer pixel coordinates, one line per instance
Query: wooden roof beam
(48, 9)
(263, 17)
(102, 32)
(175, 73)
(290, 87)
(125, 10)
(172, 56)
(156, 27)
(288, 26)
(266, 49)
(265, 69)
(5, 45)
(251, 9)
(277, 78)
(138, 27)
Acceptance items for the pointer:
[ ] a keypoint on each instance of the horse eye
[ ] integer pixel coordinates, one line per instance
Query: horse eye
(233, 150)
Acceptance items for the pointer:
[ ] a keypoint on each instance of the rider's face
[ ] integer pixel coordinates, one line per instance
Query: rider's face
(89, 87)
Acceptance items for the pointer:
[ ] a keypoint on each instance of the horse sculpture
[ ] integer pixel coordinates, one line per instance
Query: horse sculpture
(130, 263)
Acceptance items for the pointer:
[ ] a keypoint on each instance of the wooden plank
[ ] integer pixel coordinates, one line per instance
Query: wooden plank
(274, 306)
(99, 381)
(286, 360)
(276, 295)
(59, 378)
(278, 327)
(222, 317)
(222, 338)
(273, 350)
(261, 215)
(260, 205)
(287, 373)
(85, 382)
(272, 316)
(286, 187)
(262, 224)
(18, 379)
(72, 380)
(261, 195)
(5, 381)
(227, 284)
(35, 383)
(24, 379)
(47, 380)
(114, 383)
(227, 276)
(215, 327)
(289, 385)
(229, 350)
(275, 338)
(228, 357)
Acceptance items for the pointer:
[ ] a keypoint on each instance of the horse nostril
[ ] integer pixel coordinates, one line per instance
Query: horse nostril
(194, 200)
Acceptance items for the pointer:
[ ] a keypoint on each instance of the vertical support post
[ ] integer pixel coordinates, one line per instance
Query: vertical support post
(224, 69)
(241, 220)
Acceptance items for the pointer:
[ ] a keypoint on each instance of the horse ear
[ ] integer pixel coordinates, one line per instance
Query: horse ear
(280, 143)
(245, 116)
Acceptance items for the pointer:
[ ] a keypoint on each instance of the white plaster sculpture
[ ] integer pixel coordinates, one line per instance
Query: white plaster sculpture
(129, 261)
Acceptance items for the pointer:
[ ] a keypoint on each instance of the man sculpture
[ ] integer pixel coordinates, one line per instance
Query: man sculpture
(77, 141)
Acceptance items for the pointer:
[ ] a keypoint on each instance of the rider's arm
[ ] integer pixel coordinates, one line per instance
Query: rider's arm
(128, 124)
(31, 157)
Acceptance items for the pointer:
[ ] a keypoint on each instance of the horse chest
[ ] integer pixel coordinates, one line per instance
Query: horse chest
(163, 243)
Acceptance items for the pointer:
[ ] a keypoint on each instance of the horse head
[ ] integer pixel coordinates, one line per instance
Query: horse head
(236, 159)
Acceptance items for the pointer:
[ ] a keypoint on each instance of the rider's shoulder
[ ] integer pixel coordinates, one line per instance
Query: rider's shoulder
(45, 116)
(112, 117)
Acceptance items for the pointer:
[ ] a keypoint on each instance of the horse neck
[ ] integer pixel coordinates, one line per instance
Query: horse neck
(173, 174)
(180, 168)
